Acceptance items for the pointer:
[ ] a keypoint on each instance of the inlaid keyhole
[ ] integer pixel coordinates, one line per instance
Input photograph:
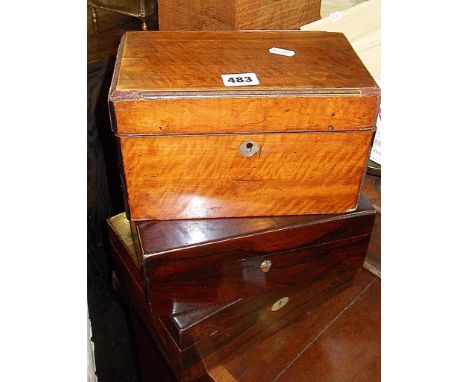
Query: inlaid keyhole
(279, 304)
(249, 148)
(265, 265)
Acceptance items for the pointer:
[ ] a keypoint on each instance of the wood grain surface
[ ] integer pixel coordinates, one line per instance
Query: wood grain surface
(158, 62)
(263, 234)
(189, 177)
(236, 14)
(180, 129)
(194, 264)
(210, 337)
(334, 342)
(170, 83)
(279, 14)
(244, 115)
(328, 362)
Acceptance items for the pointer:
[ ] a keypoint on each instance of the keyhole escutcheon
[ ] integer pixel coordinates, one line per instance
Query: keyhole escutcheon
(249, 148)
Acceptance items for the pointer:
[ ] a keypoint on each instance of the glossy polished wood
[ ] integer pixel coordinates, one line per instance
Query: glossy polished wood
(195, 15)
(195, 341)
(360, 326)
(204, 176)
(180, 129)
(334, 342)
(194, 264)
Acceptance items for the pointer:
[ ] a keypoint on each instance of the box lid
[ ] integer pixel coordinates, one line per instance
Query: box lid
(172, 236)
(320, 69)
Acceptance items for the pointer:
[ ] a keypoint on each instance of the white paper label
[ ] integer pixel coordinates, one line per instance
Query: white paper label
(375, 154)
(240, 79)
(335, 16)
(376, 151)
(282, 52)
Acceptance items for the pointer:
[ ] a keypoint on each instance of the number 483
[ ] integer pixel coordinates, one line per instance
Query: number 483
(240, 79)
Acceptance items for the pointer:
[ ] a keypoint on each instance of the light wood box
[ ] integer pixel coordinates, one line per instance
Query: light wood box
(185, 138)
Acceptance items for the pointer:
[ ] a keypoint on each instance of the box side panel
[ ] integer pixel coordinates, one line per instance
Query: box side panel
(209, 176)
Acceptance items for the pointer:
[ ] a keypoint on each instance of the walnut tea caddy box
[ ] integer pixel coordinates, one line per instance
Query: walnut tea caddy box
(238, 124)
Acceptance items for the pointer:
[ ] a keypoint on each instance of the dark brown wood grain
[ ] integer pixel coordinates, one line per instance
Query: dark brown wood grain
(253, 319)
(196, 326)
(195, 15)
(359, 325)
(205, 337)
(274, 357)
(180, 128)
(207, 284)
(193, 264)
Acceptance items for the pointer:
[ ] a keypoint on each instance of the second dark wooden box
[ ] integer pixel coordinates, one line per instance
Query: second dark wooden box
(193, 264)
(194, 341)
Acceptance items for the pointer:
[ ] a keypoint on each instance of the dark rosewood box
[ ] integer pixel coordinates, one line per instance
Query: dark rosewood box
(194, 264)
(194, 341)
(293, 139)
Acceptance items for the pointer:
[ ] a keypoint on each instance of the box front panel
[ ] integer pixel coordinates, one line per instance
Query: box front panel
(212, 282)
(210, 176)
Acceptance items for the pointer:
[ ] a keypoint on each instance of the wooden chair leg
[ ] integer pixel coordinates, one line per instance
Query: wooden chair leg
(94, 15)
(143, 23)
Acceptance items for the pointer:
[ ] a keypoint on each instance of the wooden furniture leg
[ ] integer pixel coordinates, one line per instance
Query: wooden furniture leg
(143, 23)
(94, 15)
